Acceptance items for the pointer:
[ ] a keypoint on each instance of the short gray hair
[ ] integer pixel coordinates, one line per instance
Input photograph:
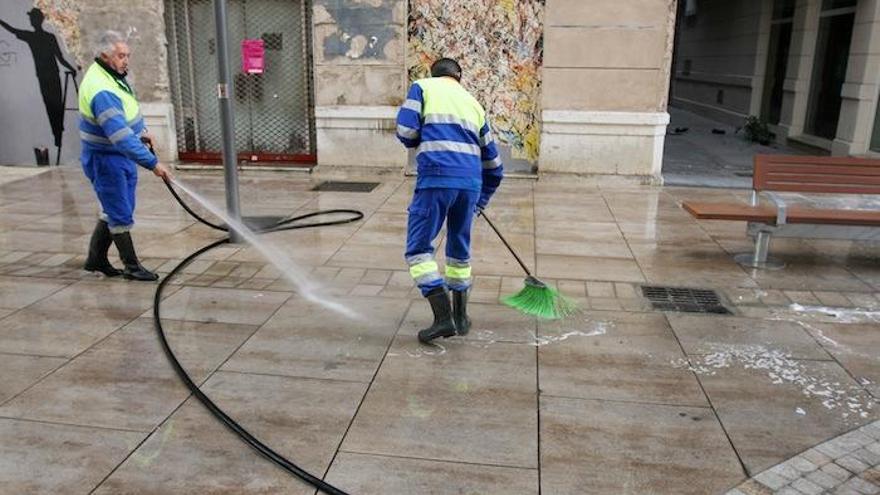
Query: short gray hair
(106, 44)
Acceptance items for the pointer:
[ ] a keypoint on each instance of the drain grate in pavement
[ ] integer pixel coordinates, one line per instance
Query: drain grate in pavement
(341, 186)
(684, 299)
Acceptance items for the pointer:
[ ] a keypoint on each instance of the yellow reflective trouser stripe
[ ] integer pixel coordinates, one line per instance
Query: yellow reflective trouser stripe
(419, 270)
(458, 273)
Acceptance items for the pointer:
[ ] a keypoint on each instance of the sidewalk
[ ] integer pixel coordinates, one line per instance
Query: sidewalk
(620, 399)
(699, 157)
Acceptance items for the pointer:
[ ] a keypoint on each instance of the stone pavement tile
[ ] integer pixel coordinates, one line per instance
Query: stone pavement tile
(606, 304)
(809, 276)
(752, 487)
(572, 288)
(867, 457)
(855, 346)
(773, 297)
(861, 486)
(833, 299)
(387, 257)
(114, 297)
(626, 291)
(362, 290)
(48, 242)
(307, 340)
(791, 420)
(568, 235)
(742, 296)
(711, 274)
(707, 334)
(361, 473)
(600, 289)
(126, 382)
(182, 244)
(489, 323)
(17, 292)
(588, 268)
(303, 420)
(864, 300)
(823, 479)
(490, 257)
(72, 320)
(851, 464)
(788, 490)
(836, 472)
(802, 297)
(246, 307)
(772, 480)
(376, 277)
(20, 372)
(14, 256)
(606, 249)
(607, 447)
(473, 404)
(256, 283)
(615, 356)
(58, 459)
(872, 475)
(807, 487)
(816, 457)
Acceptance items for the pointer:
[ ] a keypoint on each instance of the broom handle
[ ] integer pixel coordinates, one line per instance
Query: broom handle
(509, 248)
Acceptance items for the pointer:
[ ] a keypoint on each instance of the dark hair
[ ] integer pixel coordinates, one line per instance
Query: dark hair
(446, 67)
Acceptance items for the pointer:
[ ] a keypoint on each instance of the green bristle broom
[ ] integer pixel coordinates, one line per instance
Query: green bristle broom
(536, 298)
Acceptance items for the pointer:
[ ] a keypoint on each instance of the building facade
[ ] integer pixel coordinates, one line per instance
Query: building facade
(572, 87)
(808, 68)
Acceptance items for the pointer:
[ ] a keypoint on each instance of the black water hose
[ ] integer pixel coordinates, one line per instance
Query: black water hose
(261, 448)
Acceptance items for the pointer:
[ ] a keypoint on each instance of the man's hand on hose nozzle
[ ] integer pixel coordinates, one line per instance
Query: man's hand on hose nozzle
(162, 171)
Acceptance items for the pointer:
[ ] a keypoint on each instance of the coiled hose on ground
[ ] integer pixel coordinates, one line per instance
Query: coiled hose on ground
(290, 223)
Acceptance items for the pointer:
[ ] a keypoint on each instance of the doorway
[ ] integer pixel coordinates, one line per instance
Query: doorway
(274, 108)
(829, 70)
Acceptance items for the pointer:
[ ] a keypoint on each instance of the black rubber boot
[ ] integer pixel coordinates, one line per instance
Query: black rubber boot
(459, 311)
(98, 246)
(443, 325)
(133, 269)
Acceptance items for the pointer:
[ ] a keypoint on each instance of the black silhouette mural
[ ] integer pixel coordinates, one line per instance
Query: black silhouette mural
(47, 54)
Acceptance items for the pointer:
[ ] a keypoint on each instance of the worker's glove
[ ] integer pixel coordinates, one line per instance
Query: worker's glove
(479, 209)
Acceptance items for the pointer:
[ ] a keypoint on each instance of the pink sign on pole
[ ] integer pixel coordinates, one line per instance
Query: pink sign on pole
(253, 59)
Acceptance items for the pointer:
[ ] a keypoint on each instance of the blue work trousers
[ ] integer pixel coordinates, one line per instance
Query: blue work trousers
(114, 179)
(429, 209)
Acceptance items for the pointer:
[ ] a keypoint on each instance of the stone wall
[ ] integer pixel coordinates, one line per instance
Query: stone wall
(360, 79)
(76, 24)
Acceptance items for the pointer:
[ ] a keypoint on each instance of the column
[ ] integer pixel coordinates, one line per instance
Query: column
(605, 86)
(860, 90)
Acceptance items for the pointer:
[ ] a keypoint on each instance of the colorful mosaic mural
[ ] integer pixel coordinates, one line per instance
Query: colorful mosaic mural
(499, 44)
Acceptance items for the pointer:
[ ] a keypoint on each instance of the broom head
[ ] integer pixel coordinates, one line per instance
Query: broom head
(539, 299)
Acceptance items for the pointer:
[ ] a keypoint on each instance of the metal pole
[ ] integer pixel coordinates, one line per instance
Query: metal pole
(227, 116)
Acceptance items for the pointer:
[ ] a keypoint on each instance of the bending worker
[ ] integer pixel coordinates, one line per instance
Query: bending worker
(113, 144)
(458, 171)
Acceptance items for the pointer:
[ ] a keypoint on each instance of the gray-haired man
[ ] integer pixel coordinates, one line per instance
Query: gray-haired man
(111, 128)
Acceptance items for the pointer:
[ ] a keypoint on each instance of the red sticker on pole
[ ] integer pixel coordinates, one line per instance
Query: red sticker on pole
(253, 59)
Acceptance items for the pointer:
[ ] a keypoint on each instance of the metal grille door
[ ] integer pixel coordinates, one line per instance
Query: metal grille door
(274, 116)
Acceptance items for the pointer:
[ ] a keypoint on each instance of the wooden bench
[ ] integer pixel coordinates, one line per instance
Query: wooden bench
(775, 174)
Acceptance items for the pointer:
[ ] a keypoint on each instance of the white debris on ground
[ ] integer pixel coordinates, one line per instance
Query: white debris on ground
(850, 400)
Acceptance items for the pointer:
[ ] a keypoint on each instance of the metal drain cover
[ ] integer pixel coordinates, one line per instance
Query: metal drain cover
(684, 299)
(341, 186)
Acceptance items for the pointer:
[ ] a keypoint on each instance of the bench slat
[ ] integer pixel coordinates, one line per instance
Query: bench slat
(730, 211)
(767, 214)
(818, 174)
